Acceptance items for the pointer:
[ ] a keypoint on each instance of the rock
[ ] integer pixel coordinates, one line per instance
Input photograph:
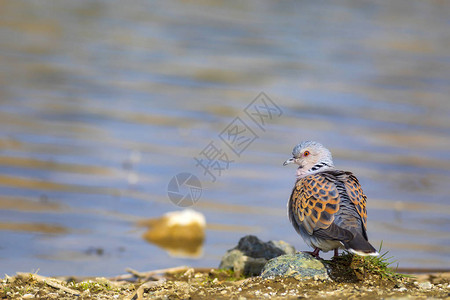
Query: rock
(251, 246)
(251, 254)
(287, 248)
(181, 233)
(251, 266)
(425, 285)
(300, 266)
(242, 264)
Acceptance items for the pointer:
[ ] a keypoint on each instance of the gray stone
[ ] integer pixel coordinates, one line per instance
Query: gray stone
(251, 246)
(251, 254)
(251, 266)
(242, 264)
(230, 259)
(300, 266)
(286, 247)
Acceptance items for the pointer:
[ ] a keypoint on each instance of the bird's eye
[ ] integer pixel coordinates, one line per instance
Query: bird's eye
(306, 153)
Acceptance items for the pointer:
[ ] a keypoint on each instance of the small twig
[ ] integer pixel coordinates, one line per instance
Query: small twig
(135, 273)
(164, 271)
(121, 277)
(50, 282)
(146, 277)
(151, 274)
(148, 274)
(146, 285)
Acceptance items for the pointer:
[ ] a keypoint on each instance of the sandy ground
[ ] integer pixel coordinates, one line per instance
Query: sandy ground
(188, 283)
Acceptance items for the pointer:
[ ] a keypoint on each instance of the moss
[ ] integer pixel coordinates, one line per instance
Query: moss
(228, 275)
(353, 268)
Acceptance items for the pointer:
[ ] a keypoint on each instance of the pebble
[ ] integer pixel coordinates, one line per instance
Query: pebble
(189, 273)
(27, 296)
(425, 285)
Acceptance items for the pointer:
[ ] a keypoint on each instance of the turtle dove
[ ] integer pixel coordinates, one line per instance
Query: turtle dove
(327, 206)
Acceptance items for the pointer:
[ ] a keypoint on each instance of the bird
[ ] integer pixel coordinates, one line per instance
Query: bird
(327, 206)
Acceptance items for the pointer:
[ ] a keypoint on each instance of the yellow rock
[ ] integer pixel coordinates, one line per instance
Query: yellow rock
(181, 233)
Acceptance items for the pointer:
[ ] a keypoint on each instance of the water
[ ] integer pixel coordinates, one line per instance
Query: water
(101, 104)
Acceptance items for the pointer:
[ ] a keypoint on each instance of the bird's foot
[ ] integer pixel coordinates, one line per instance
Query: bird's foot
(314, 253)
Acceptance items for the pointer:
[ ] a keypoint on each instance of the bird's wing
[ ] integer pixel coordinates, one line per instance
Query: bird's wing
(313, 202)
(356, 196)
(331, 205)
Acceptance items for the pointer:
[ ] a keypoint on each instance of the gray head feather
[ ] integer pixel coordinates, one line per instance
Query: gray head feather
(305, 144)
(315, 148)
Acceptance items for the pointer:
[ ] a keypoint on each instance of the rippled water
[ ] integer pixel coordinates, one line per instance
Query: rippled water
(102, 103)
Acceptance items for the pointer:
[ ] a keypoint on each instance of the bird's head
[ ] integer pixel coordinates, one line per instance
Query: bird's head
(311, 157)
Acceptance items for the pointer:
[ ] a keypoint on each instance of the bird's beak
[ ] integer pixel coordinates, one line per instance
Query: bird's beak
(289, 161)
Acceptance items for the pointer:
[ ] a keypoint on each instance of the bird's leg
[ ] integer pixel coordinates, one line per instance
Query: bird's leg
(314, 253)
(336, 253)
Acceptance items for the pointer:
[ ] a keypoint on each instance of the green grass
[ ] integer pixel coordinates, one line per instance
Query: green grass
(380, 265)
(354, 268)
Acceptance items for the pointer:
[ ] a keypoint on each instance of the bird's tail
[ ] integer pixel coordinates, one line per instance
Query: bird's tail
(359, 245)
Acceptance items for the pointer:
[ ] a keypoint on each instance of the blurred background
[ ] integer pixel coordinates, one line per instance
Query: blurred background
(102, 103)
